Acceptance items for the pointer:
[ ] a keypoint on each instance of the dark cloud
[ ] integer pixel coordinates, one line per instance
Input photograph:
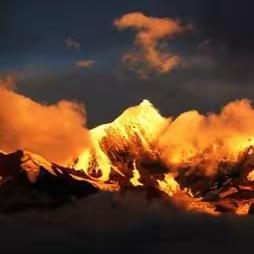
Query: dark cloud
(8, 80)
(113, 223)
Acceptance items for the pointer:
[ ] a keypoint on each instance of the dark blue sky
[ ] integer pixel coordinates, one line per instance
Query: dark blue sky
(217, 54)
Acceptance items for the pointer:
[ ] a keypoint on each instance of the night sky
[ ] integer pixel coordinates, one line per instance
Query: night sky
(42, 43)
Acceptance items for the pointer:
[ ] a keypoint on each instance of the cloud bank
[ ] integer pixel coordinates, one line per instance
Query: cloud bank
(55, 131)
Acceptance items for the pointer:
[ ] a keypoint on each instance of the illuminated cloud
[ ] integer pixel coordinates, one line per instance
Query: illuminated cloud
(55, 131)
(72, 43)
(150, 55)
(86, 63)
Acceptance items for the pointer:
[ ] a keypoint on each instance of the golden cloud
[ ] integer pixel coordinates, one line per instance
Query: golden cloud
(149, 55)
(86, 63)
(55, 131)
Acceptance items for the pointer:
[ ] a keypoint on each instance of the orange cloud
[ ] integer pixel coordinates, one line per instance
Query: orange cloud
(86, 63)
(149, 55)
(56, 131)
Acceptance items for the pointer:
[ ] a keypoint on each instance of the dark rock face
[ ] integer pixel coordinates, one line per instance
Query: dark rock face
(10, 164)
(18, 193)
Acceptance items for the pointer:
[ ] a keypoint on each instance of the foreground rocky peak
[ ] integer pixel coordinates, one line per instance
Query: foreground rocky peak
(29, 181)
